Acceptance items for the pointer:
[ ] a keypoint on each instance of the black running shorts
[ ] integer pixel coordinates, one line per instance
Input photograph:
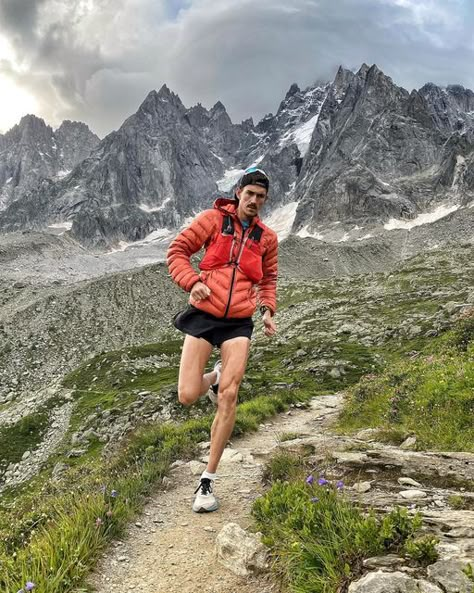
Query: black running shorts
(214, 330)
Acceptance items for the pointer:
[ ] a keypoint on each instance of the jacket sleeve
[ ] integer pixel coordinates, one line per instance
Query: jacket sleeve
(267, 285)
(187, 242)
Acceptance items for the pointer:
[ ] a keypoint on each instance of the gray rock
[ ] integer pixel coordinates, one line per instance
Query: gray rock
(388, 561)
(241, 552)
(384, 582)
(196, 467)
(362, 487)
(413, 494)
(404, 481)
(59, 469)
(450, 576)
(408, 444)
(427, 587)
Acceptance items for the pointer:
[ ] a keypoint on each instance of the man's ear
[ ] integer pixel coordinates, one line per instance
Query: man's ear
(238, 191)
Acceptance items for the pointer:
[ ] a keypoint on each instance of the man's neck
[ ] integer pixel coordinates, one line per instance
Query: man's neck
(244, 218)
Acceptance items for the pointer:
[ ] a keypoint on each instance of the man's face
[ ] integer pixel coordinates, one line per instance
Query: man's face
(251, 200)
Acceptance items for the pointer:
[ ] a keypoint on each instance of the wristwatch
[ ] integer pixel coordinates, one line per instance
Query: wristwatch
(264, 309)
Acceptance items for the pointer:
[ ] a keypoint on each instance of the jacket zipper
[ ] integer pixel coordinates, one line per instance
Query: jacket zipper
(235, 264)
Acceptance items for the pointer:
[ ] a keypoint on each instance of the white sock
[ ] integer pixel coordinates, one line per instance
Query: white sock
(208, 475)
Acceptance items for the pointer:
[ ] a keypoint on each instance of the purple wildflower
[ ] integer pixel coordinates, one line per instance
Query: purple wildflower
(322, 482)
(114, 494)
(310, 479)
(339, 484)
(314, 499)
(29, 586)
(103, 489)
(98, 522)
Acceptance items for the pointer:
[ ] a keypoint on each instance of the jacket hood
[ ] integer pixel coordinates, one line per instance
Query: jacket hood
(226, 204)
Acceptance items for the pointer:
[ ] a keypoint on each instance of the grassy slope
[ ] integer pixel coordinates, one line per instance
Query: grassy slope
(430, 395)
(33, 517)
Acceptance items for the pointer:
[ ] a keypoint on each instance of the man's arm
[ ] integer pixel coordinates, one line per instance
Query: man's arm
(267, 285)
(189, 241)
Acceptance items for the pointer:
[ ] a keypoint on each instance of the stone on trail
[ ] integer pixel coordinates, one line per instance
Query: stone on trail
(384, 582)
(404, 481)
(196, 467)
(408, 444)
(241, 552)
(450, 576)
(388, 561)
(413, 494)
(427, 587)
(362, 487)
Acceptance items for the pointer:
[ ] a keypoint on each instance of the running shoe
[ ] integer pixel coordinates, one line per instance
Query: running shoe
(205, 501)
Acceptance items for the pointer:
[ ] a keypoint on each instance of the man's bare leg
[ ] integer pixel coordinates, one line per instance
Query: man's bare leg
(192, 382)
(234, 354)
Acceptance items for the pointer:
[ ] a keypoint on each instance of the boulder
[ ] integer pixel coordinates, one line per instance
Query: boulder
(241, 552)
(450, 576)
(384, 582)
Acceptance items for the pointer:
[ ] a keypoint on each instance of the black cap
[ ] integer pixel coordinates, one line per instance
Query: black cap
(254, 176)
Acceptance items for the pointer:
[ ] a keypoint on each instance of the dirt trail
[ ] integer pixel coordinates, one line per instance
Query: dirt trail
(170, 549)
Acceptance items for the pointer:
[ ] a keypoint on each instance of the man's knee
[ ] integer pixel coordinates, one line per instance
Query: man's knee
(186, 396)
(227, 397)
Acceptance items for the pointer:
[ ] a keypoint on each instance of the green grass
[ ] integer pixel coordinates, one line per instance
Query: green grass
(318, 538)
(288, 436)
(50, 534)
(23, 436)
(430, 396)
(46, 524)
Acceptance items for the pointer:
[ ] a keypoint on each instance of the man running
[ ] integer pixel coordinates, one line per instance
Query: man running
(238, 270)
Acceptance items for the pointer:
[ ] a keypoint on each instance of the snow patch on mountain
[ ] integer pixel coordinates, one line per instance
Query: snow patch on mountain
(231, 176)
(281, 219)
(63, 226)
(157, 236)
(147, 208)
(301, 135)
(424, 218)
(304, 233)
(63, 173)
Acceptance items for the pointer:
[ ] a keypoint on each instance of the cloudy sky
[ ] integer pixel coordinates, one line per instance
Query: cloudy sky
(95, 60)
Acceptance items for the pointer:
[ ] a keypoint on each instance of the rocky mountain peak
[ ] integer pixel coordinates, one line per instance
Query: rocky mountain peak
(219, 113)
(31, 129)
(464, 97)
(294, 88)
(375, 76)
(75, 142)
(451, 108)
(157, 102)
(343, 78)
(68, 126)
(363, 70)
(218, 107)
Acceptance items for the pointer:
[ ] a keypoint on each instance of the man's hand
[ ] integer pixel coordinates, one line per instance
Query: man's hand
(269, 323)
(200, 291)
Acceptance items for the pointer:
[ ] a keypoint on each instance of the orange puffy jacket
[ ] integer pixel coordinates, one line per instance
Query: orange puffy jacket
(238, 265)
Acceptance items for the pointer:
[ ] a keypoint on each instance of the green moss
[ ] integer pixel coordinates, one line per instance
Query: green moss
(22, 436)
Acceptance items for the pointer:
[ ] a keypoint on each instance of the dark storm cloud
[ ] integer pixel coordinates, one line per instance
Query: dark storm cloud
(18, 18)
(95, 60)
